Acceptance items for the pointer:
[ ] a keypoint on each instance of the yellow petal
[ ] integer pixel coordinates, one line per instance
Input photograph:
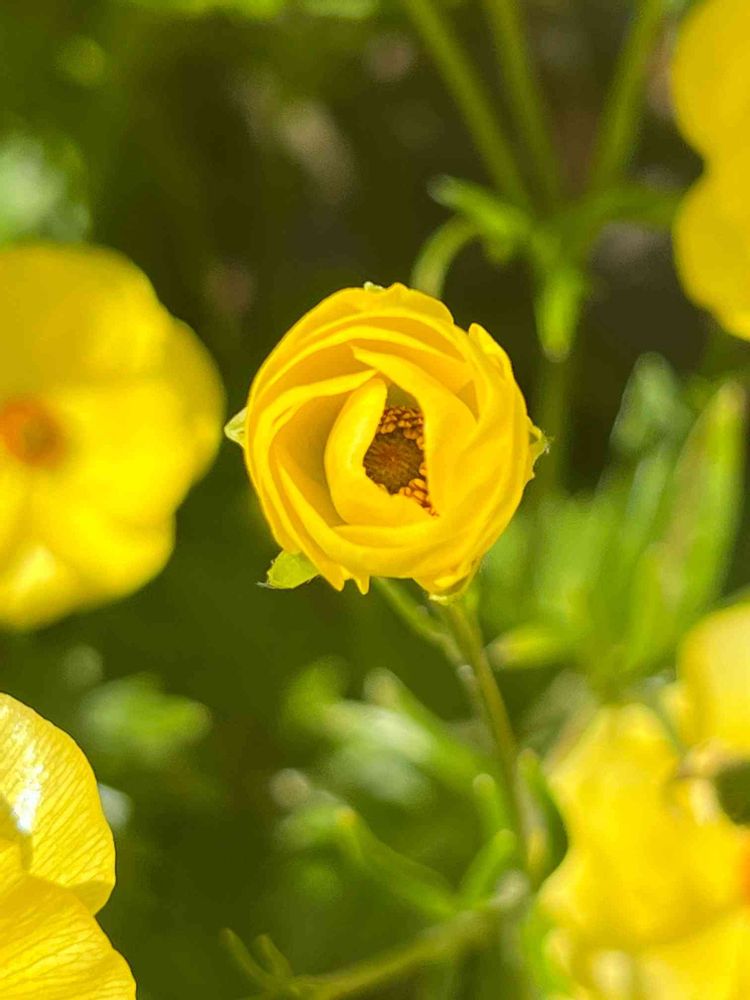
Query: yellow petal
(130, 449)
(357, 499)
(448, 422)
(138, 407)
(700, 966)
(76, 314)
(51, 948)
(651, 857)
(710, 82)
(14, 487)
(114, 558)
(50, 793)
(712, 247)
(36, 587)
(190, 373)
(714, 666)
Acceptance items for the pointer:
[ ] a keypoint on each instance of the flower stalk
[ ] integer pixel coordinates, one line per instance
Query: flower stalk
(467, 633)
(471, 96)
(467, 931)
(622, 111)
(525, 97)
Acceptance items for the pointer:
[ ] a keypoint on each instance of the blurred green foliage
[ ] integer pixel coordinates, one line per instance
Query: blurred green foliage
(267, 767)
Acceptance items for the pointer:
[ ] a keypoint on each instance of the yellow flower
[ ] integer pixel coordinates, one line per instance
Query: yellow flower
(710, 78)
(715, 674)
(711, 86)
(652, 901)
(383, 440)
(109, 410)
(57, 868)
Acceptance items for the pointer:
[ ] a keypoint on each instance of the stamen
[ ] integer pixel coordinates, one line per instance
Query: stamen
(30, 433)
(395, 459)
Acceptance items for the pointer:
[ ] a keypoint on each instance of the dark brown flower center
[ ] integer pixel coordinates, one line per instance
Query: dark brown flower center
(30, 432)
(395, 459)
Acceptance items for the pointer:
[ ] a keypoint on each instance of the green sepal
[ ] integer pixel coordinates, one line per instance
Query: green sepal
(289, 570)
(235, 428)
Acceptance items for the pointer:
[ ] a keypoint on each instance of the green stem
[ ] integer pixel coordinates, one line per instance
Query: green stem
(468, 637)
(471, 96)
(525, 97)
(468, 930)
(551, 413)
(438, 253)
(620, 123)
(413, 614)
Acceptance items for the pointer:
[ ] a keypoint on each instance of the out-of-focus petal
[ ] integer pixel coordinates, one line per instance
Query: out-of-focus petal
(714, 666)
(651, 857)
(712, 247)
(710, 83)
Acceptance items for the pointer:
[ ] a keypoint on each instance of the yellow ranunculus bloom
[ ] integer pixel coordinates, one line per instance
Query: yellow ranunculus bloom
(57, 868)
(711, 86)
(385, 441)
(109, 410)
(652, 901)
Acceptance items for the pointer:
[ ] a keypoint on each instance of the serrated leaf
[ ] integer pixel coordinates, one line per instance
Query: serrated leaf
(290, 570)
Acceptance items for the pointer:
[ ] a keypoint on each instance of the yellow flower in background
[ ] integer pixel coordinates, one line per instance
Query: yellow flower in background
(109, 410)
(715, 675)
(57, 868)
(383, 440)
(711, 77)
(652, 901)
(711, 88)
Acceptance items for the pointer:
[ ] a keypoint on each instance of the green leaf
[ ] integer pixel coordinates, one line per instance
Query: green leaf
(555, 834)
(352, 10)
(438, 253)
(536, 644)
(132, 720)
(682, 571)
(558, 305)
(420, 887)
(504, 227)
(290, 570)
(491, 862)
(652, 407)
(42, 188)
(639, 204)
(260, 10)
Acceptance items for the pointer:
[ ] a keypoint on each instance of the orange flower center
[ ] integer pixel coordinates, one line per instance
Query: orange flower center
(395, 459)
(30, 433)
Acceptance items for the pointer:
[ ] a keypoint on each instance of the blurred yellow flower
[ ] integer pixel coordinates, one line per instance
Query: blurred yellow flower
(652, 901)
(57, 868)
(385, 441)
(711, 88)
(109, 410)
